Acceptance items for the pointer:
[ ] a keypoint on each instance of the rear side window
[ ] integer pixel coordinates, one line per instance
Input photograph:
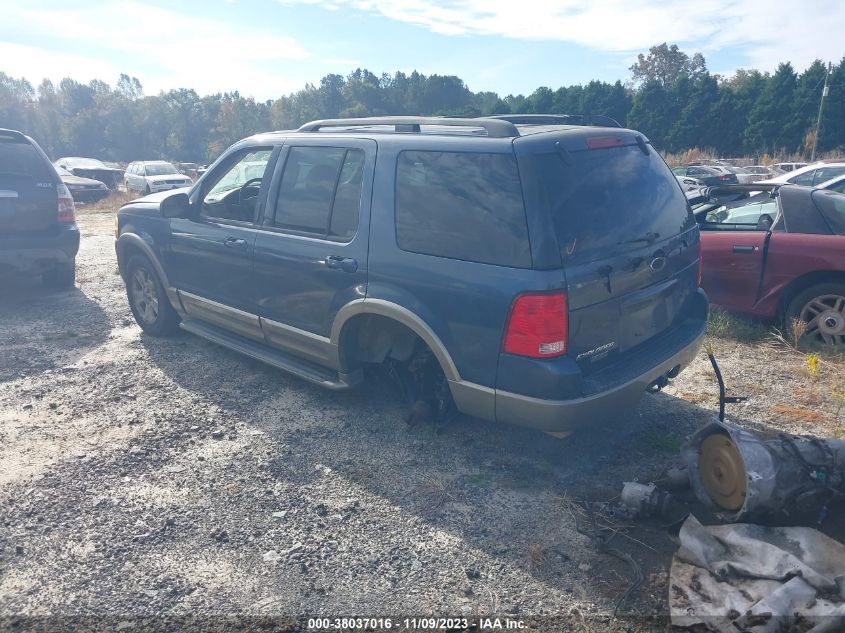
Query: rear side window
(606, 201)
(832, 207)
(464, 206)
(22, 160)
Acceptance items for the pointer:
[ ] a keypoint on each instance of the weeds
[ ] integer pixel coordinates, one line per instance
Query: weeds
(723, 325)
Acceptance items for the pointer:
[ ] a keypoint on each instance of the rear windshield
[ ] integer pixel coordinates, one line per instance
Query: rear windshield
(22, 160)
(607, 201)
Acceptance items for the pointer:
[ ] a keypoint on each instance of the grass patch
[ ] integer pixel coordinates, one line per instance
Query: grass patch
(797, 414)
(478, 479)
(663, 441)
(724, 325)
(112, 202)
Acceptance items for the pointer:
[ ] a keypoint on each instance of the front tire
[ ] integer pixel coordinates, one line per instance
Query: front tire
(822, 308)
(147, 298)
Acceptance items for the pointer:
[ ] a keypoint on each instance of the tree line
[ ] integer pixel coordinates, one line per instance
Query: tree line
(671, 97)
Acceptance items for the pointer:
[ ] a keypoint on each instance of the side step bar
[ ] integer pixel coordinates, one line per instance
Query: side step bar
(296, 366)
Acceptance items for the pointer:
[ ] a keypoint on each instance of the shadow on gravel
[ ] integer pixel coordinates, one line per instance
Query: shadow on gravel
(42, 329)
(499, 489)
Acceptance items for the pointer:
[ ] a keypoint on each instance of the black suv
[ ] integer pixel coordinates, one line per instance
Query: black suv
(38, 232)
(539, 273)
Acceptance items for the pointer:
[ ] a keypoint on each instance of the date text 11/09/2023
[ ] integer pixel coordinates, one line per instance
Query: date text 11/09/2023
(415, 624)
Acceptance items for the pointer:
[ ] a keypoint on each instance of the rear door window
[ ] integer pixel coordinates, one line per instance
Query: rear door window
(320, 192)
(607, 201)
(462, 205)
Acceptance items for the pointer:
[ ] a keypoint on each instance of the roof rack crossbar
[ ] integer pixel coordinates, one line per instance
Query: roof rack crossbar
(495, 128)
(558, 119)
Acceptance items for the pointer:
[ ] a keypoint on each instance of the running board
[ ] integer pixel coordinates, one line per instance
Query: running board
(296, 366)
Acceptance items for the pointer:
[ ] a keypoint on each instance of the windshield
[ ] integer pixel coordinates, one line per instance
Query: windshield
(160, 169)
(608, 201)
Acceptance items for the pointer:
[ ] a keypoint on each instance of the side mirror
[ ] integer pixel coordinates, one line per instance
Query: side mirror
(176, 206)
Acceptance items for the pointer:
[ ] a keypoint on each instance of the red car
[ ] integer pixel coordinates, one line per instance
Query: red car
(777, 254)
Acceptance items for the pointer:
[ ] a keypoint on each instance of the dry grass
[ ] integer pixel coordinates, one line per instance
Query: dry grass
(693, 154)
(795, 413)
(537, 555)
(112, 202)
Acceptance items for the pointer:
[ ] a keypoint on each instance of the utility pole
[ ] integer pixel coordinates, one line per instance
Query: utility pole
(825, 90)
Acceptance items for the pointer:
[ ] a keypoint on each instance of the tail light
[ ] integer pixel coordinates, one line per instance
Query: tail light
(724, 177)
(537, 326)
(67, 212)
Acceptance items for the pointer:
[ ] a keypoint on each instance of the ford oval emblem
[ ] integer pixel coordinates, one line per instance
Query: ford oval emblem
(658, 263)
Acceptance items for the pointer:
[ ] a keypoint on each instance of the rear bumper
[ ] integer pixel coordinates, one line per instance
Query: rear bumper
(38, 253)
(598, 397)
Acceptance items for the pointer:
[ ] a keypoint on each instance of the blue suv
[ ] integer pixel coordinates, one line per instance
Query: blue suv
(540, 271)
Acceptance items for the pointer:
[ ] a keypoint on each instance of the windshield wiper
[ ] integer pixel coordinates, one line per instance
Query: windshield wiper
(648, 238)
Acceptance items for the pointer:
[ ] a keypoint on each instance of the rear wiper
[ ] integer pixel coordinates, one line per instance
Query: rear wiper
(648, 238)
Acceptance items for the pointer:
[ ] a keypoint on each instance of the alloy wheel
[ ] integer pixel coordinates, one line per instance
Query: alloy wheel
(825, 319)
(145, 295)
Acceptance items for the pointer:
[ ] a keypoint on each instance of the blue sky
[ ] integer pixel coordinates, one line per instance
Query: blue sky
(266, 48)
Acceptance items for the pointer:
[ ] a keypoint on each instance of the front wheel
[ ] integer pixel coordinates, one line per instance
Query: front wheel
(821, 308)
(147, 298)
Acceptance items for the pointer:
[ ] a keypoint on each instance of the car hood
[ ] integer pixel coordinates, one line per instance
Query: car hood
(79, 181)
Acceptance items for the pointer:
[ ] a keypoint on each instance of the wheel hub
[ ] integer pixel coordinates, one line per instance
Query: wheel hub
(825, 319)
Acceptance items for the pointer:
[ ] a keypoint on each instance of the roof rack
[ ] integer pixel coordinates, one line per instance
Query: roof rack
(558, 119)
(495, 128)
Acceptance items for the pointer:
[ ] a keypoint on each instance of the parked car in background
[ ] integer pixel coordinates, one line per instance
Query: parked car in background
(154, 175)
(543, 275)
(188, 169)
(834, 184)
(91, 168)
(743, 176)
(38, 232)
(708, 174)
(762, 172)
(83, 189)
(810, 175)
(689, 183)
(785, 167)
(780, 254)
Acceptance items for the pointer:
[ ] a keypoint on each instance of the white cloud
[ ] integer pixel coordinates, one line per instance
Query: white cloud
(20, 60)
(164, 48)
(758, 28)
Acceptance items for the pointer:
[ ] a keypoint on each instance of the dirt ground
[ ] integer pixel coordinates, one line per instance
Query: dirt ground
(143, 476)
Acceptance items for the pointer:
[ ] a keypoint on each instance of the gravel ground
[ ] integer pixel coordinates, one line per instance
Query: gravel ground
(143, 476)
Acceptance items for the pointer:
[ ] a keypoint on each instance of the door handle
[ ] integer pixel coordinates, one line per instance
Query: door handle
(346, 264)
(234, 242)
(745, 249)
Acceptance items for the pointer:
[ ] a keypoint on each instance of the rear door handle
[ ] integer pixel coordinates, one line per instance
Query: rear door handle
(346, 264)
(745, 249)
(235, 242)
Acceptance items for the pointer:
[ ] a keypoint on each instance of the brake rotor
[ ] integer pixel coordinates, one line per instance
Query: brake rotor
(722, 471)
